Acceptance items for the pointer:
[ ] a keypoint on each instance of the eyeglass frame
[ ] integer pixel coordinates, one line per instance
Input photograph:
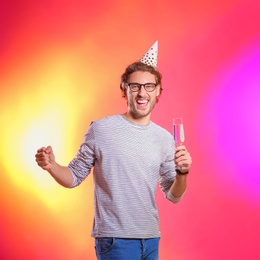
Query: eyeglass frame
(140, 86)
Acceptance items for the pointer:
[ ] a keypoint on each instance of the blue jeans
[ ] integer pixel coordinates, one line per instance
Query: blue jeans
(110, 248)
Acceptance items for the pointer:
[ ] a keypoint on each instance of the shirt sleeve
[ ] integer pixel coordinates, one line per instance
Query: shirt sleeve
(172, 198)
(82, 164)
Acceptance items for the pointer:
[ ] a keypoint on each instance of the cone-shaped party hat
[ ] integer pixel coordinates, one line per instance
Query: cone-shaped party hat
(151, 56)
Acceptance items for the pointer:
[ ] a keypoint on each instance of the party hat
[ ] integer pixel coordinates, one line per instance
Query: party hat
(151, 56)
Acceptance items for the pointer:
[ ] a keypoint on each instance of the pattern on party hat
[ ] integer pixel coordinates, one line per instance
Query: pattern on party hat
(151, 56)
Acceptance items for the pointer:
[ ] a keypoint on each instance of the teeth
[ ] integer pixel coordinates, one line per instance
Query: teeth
(142, 101)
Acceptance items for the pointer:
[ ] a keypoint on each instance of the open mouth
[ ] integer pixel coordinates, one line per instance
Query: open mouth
(142, 103)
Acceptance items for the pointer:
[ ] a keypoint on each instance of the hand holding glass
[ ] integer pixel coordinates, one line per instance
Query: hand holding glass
(178, 131)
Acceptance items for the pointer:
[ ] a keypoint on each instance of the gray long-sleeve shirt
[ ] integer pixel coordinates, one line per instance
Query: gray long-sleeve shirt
(128, 161)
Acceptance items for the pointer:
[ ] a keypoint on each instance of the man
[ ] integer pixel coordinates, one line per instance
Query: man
(130, 154)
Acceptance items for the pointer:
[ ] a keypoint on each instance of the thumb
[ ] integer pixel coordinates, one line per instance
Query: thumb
(48, 149)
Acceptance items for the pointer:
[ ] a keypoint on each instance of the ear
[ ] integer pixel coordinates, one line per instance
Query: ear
(158, 90)
(123, 90)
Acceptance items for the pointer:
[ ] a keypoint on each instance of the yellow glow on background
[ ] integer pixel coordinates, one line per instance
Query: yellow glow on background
(42, 113)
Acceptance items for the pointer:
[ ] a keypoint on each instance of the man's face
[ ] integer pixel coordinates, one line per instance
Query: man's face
(141, 103)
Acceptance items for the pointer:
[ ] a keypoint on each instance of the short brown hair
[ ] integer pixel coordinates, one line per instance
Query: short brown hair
(139, 66)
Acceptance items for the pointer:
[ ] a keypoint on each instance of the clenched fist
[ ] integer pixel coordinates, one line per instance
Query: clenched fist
(182, 159)
(45, 158)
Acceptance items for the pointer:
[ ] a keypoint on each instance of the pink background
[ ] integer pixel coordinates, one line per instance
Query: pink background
(60, 68)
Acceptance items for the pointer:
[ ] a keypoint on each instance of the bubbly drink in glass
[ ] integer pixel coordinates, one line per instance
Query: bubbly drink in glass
(178, 131)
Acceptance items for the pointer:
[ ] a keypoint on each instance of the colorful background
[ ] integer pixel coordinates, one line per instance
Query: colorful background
(60, 68)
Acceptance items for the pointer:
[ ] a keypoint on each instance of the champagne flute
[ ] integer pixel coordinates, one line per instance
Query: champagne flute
(178, 131)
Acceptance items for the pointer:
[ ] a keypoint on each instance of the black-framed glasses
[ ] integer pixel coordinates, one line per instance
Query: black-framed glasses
(149, 87)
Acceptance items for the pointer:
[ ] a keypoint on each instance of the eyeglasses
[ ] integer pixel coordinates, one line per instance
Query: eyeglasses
(149, 87)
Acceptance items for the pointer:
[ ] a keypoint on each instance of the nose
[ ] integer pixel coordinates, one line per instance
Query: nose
(142, 90)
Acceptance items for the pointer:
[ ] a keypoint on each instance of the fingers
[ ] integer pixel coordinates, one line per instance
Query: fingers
(42, 149)
(43, 157)
(48, 149)
(181, 152)
(180, 147)
(182, 157)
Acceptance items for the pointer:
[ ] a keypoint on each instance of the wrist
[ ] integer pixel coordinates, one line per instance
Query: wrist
(53, 167)
(181, 173)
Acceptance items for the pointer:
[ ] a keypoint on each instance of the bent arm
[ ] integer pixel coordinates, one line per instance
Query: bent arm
(46, 160)
(182, 164)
